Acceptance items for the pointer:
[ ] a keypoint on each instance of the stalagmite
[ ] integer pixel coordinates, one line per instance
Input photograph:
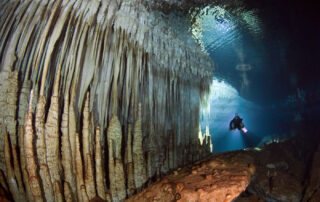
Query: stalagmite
(3, 182)
(23, 101)
(84, 194)
(52, 134)
(66, 152)
(149, 164)
(12, 97)
(72, 113)
(89, 178)
(41, 150)
(119, 52)
(8, 101)
(30, 155)
(3, 87)
(116, 172)
(11, 107)
(87, 151)
(23, 165)
(171, 151)
(129, 164)
(100, 173)
(58, 193)
(35, 99)
(114, 134)
(67, 192)
(72, 129)
(13, 186)
(86, 135)
(17, 172)
(139, 163)
(79, 170)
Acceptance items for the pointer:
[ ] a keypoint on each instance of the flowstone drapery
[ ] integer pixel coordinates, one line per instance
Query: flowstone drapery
(115, 99)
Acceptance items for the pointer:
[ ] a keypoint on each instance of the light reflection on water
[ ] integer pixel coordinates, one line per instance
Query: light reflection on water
(220, 27)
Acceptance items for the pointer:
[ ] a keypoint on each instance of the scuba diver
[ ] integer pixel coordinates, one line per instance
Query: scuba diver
(236, 123)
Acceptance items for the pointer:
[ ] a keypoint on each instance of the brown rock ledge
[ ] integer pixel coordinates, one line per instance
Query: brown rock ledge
(212, 179)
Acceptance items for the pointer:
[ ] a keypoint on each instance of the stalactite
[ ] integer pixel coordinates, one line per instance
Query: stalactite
(8, 22)
(41, 45)
(10, 57)
(37, 9)
(100, 174)
(72, 129)
(139, 164)
(113, 50)
(116, 172)
(72, 112)
(30, 155)
(129, 164)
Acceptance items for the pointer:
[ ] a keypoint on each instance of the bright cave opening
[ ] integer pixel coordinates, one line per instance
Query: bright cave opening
(258, 53)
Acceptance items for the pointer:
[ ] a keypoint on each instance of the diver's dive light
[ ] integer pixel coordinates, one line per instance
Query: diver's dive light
(244, 130)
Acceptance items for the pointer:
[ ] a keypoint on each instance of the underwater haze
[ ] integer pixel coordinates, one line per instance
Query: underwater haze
(268, 71)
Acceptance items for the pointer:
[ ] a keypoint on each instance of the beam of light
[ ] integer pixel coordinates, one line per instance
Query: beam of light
(224, 102)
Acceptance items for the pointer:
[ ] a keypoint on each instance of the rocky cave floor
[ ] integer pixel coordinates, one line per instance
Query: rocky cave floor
(284, 171)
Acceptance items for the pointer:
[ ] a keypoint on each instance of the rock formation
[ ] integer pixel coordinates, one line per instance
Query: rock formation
(285, 171)
(114, 106)
(214, 179)
(95, 67)
(139, 163)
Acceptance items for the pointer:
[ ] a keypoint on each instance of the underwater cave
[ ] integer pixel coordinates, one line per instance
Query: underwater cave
(159, 100)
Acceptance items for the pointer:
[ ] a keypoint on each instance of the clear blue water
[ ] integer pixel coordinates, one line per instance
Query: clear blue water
(267, 71)
(263, 124)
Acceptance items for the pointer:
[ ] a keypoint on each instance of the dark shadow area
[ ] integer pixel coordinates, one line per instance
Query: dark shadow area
(250, 139)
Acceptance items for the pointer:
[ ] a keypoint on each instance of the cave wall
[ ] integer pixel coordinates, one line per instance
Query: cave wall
(96, 99)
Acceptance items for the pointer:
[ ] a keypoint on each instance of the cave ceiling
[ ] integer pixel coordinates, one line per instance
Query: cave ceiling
(278, 39)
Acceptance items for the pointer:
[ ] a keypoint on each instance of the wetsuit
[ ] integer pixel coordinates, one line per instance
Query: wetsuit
(236, 123)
